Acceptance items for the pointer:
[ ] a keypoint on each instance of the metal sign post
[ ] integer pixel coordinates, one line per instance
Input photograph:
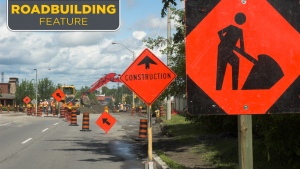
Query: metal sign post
(149, 133)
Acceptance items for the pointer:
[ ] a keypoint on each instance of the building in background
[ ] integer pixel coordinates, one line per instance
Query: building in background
(8, 91)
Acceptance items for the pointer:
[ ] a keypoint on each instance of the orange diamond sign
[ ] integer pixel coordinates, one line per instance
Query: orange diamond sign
(58, 95)
(26, 99)
(241, 58)
(106, 121)
(147, 76)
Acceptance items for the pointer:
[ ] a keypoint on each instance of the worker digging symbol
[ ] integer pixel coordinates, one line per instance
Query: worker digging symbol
(265, 72)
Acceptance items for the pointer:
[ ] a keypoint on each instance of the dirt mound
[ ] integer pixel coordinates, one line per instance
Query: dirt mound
(95, 109)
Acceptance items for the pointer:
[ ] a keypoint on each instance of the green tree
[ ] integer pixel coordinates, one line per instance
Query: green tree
(25, 88)
(110, 104)
(45, 88)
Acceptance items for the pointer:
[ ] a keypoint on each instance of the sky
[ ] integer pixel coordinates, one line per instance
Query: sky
(81, 58)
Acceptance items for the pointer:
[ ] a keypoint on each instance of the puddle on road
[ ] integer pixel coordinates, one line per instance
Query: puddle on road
(128, 152)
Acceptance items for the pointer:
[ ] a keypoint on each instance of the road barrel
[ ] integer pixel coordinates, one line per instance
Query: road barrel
(62, 113)
(143, 130)
(74, 118)
(66, 114)
(1, 108)
(53, 110)
(34, 112)
(86, 122)
(161, 111)
(8, 106)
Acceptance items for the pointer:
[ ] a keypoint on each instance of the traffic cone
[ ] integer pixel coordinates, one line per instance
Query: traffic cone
(161, 111)
(86, 122)
(143, 130)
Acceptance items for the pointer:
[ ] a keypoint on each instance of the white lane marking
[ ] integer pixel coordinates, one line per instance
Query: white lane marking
(45, 129)
(26, 140)
(5, 124)
(55, 123)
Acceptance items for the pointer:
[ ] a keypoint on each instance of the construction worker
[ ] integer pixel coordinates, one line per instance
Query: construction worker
(51, 105)
(45, 103)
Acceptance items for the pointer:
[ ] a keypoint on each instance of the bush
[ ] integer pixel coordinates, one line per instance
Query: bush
(277, 136)
(10, 109)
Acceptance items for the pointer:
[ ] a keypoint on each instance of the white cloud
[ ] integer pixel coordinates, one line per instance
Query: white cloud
(139, 34)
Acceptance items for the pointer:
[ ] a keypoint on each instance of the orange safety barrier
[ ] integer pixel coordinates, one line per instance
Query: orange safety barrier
(34, 112)
(47, 111)
(86, 122)
(8, 108)
(40, 111)
(161, 111)
(53, 111)
(74, 118)
(27, 111)
(66, 114)
(1, 108)
(62, 113)
(69, 115)
(143, 130)
(132, 112)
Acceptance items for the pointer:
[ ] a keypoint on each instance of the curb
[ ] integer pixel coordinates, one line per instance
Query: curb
(161, 164)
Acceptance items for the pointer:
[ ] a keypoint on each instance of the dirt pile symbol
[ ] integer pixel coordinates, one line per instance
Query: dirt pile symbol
(265, 72)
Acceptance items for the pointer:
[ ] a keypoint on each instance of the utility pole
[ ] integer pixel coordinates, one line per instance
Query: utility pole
(168, 61)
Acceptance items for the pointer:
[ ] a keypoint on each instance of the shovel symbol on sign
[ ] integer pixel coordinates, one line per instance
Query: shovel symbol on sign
(265, 73)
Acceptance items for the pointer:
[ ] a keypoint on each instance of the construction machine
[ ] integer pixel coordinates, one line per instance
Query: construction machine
(102, 81)
(69, 99)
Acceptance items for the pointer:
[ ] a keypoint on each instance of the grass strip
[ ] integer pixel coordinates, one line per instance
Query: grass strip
(169, 161)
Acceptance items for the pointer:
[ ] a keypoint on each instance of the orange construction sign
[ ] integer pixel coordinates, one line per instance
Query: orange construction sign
(26, 99)
(106, 121)
(58, 95)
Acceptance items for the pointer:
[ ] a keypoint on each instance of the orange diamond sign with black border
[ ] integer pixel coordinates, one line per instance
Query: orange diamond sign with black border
(58, 95)
(147, 76)
(242, 58)
(26, 99)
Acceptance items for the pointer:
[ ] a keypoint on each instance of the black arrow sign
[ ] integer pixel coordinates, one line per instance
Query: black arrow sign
(26, 99)
(105, 121)
(147, 61)
(57, 94)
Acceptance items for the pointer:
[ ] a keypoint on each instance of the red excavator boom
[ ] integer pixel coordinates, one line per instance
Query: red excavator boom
(102, 81)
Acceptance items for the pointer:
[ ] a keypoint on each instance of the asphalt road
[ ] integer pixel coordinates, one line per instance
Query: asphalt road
(28, 142)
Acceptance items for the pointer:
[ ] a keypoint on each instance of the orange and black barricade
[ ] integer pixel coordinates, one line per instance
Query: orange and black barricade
(143, 130)
(53, 110)
(161, 111)
(8, 108)
(74, 118)
(34, 112)
(1, 107)
(132, 112)
(62, 113)
(86, 122)
(66, 114)
(27, 111)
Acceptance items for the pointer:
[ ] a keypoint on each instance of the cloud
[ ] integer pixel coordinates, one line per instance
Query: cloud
(139, 34)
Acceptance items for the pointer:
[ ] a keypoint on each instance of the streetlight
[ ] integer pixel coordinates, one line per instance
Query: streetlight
(36, 87)
(132, 60)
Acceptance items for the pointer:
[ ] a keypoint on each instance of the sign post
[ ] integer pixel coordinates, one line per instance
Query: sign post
(236, 63)
(148, 77)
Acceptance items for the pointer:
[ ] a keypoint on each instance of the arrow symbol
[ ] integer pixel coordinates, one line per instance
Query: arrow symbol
(57, 94)
(105, 121)
(26, 99)
(147, 61)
